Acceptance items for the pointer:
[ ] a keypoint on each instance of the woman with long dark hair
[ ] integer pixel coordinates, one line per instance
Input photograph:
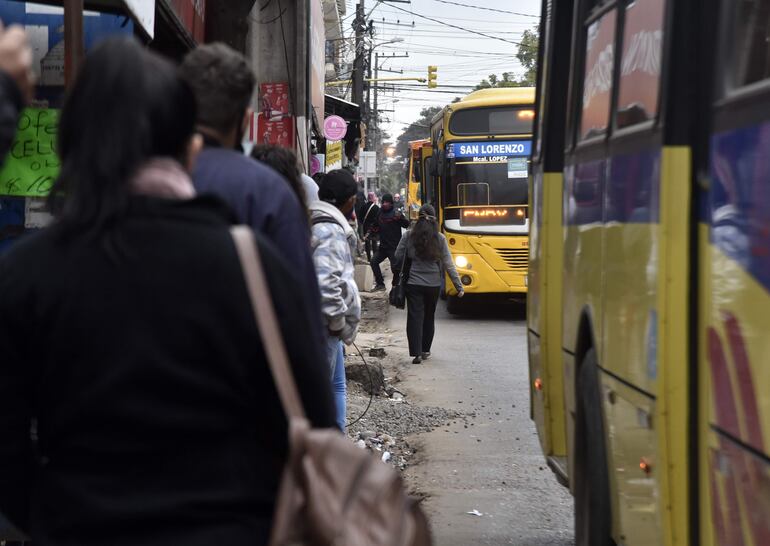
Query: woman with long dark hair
(128, 340)
(428, 256)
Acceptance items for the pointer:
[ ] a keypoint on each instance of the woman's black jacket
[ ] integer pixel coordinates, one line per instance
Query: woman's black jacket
(136, 362)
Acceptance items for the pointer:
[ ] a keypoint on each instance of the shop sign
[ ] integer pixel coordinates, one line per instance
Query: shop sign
(32, 165)
(192, 15)
(335, 128)
(333, 155)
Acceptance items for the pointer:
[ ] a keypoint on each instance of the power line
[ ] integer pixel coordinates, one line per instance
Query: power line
(487, 9)
(466, 19)
(455, 26)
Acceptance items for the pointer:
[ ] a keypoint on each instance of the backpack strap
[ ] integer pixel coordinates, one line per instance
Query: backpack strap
(325, 220)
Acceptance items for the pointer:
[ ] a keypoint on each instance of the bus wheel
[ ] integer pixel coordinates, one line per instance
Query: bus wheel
(453, 305)
(593, 516)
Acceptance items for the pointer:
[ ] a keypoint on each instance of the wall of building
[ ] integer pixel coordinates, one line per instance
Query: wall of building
(279, 48)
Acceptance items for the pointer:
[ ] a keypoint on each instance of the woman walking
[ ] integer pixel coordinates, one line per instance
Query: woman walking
(428, 255)
(129, 342)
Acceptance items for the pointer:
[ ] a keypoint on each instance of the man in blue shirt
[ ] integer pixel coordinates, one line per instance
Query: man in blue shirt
(223, 84)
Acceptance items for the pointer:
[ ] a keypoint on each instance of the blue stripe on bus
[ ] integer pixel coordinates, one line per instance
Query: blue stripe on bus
(629, 193)
(739, 198)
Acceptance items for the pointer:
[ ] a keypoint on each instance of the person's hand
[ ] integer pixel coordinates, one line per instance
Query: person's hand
(16, 59)
(461, 293)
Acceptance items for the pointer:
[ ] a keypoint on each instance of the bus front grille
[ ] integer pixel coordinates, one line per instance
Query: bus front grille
(515, 258)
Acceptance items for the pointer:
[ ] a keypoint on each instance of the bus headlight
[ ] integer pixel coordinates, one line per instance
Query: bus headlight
(461, 262)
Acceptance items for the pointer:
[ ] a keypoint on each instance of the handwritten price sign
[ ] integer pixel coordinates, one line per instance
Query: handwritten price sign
(32, 165)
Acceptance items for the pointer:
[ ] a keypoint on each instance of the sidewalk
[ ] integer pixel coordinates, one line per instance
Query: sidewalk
(380, 410)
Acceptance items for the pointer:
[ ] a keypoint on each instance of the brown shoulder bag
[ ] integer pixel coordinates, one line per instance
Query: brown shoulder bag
(332, 493)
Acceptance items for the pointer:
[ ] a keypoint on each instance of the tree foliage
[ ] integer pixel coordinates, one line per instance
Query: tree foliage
(527, 56)
(506, 80)
(417, 130)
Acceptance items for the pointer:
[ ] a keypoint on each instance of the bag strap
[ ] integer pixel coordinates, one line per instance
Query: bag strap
(267, 322)
(366, 216)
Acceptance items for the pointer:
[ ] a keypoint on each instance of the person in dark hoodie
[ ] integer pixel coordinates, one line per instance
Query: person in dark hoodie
(389, 224)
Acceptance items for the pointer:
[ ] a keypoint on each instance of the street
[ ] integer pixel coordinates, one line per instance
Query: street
(492, 461)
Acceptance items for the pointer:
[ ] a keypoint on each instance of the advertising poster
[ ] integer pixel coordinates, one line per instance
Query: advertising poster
(333, 155)
(279, 132)
(32, 164)
(274, 100)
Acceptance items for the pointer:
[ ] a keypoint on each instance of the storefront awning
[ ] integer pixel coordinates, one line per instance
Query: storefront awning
(336, 106)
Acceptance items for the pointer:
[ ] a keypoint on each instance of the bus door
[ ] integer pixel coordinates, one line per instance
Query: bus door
(734, 359)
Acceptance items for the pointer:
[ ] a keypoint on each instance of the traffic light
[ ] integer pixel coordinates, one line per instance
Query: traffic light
(432, 77)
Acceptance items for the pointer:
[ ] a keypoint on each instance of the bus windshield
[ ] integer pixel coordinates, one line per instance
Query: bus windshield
(501, 181)
(487, 173)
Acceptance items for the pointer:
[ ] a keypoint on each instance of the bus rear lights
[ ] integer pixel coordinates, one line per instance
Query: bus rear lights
(452, 241)
(526, 114)
(466, 280)
(538, 384)
(645, 466)
(461, 262)
(520, 213)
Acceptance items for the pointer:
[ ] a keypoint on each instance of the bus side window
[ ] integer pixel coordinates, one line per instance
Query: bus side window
(597, 81)
(428, 181)
(748, 42)
(640, 64)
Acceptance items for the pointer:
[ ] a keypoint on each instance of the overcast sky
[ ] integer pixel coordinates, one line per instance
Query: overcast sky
(463, 58)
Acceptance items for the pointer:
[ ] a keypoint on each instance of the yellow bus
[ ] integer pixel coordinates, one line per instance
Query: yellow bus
(649, 272)
(419, 152)
(481, 147)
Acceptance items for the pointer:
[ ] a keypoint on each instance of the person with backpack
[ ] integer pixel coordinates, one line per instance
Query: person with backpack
(334, 246)
(425, 256)
(389, 224)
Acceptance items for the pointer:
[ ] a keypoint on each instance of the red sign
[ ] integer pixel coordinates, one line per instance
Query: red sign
(274, 100)
(280, 132)
(192, 15)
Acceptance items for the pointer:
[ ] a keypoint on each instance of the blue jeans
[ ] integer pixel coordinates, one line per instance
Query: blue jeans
(336, 354)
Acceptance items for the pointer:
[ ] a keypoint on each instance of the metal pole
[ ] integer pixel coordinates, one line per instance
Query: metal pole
(368, 86)
(358, 64)
(376, 115)
(74, 50)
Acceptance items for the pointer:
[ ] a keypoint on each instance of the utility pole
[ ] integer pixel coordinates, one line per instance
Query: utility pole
(359, 25)
(368, 86)
(376, 110)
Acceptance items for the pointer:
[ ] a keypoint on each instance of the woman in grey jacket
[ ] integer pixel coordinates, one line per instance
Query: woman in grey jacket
(429, 253)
